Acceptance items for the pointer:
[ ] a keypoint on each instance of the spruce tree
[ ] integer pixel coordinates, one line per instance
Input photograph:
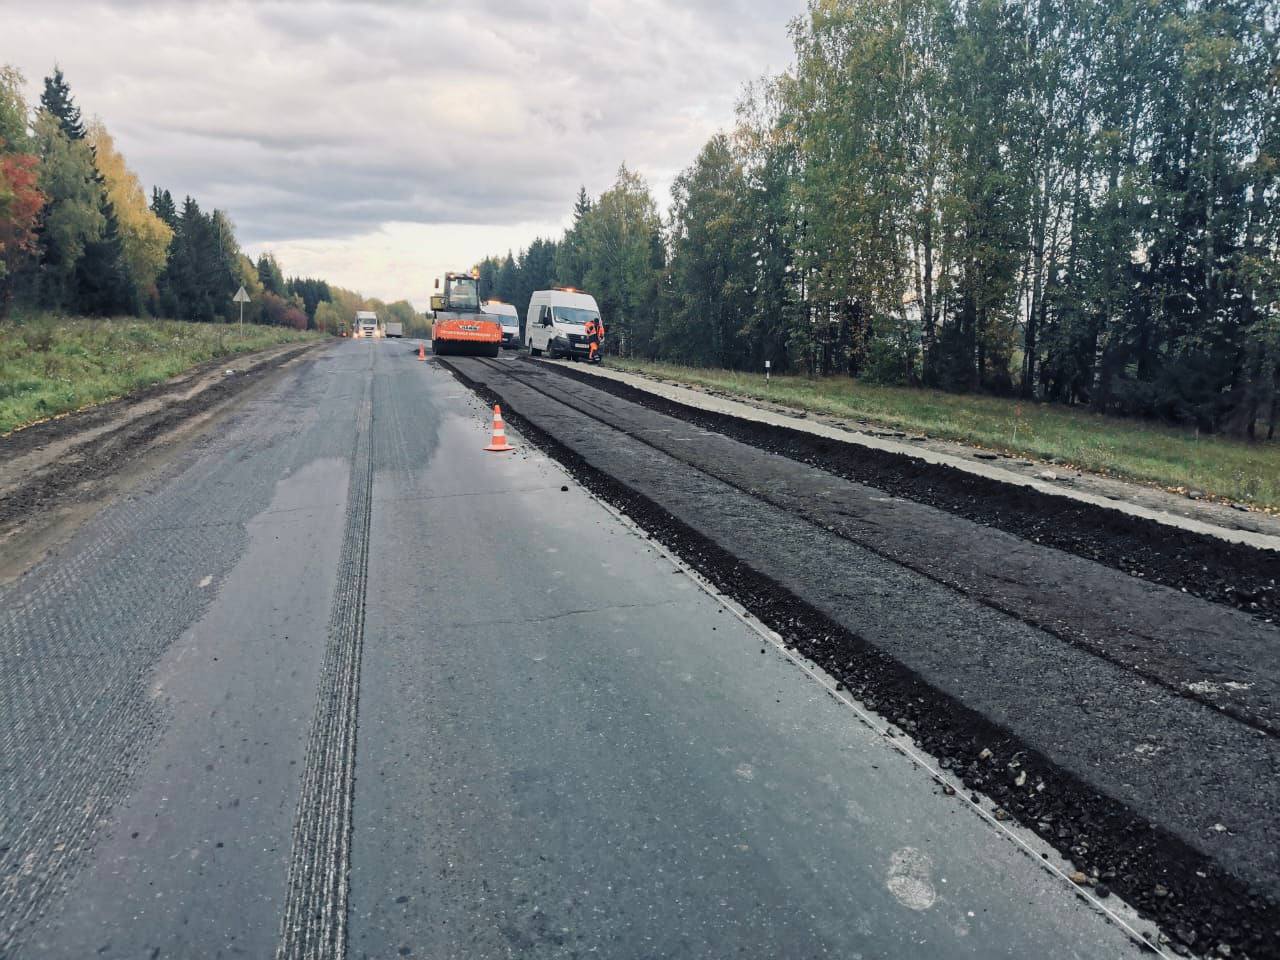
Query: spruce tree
(269, 275)
(582, 205)
(103, 287)
(162, 206)
(58, 101)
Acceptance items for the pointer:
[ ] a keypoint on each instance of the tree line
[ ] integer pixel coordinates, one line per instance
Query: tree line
(1075, 201)
(79, 235)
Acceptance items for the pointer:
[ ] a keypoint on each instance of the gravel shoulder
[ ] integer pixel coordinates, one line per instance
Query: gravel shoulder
(56, 473)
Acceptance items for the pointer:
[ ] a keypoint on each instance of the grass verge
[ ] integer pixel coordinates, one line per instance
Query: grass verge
(1135, 450)
(53, 365)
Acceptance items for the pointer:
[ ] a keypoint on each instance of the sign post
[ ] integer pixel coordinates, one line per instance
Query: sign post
(241, 297)
(767, 365)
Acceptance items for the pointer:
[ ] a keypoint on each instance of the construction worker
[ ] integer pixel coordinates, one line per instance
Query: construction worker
(595, 335)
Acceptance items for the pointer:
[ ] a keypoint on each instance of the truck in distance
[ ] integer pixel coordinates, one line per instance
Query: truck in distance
(367, 326)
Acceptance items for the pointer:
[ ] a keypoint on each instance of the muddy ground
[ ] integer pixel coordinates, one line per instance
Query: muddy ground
(54, 473)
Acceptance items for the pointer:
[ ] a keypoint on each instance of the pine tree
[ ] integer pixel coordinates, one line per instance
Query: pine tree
(103, 286)
(270, 276)
(162, 206)
(58, 101)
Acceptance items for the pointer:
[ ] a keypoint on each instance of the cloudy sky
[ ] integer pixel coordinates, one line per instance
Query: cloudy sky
(379, 143)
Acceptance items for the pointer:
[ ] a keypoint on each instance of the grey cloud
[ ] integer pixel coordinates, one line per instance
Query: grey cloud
(315, 120)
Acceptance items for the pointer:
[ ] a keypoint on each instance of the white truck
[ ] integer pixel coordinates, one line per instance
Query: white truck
(555, 323)
(508, 317)
(393, 329)
(367, 324)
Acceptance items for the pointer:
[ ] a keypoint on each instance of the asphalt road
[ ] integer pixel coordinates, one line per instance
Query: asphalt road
(337, 682)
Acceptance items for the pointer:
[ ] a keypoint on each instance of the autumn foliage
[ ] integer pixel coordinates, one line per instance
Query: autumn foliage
(78, 234)
(20, 204)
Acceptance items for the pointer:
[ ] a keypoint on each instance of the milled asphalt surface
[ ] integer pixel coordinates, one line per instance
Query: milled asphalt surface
(563, 746)
(159, 679)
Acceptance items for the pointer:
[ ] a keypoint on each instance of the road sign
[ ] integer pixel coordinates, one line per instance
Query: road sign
(241, 297)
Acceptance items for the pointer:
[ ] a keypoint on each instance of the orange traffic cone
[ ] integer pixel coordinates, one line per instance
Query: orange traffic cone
(422, 351)
(499, 444)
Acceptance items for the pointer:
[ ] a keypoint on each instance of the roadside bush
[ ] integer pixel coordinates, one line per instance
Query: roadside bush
(38, 337)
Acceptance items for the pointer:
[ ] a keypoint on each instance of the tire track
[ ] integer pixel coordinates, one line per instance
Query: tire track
(79, 638)
(315, 915)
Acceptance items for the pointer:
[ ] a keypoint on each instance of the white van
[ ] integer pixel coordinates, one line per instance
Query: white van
(554, 323)
(507, 316)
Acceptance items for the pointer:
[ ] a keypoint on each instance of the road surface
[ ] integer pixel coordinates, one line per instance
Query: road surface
(336, 682)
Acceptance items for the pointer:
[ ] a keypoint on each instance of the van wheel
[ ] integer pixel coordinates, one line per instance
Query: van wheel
(534, 350)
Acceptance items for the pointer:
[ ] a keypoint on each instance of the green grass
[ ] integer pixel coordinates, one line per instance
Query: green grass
(1136, 450)
(53, 365)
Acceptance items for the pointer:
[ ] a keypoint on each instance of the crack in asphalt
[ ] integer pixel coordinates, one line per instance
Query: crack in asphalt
(565, 614)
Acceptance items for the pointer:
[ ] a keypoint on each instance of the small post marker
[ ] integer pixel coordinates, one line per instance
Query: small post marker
(241, 297)
(767, 365)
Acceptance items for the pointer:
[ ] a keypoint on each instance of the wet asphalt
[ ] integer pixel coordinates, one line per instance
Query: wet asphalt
(563, 746)
(1092, 678)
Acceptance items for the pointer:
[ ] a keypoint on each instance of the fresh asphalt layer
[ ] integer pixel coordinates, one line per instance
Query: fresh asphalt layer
(1235, 533)
(1087, 700)
(338, 683)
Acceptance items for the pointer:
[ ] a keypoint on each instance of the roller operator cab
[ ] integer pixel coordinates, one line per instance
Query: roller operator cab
(555, 323)
(506, 315)
(459, 325)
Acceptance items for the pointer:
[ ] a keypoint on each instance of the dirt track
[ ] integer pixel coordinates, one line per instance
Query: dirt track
(1130, 723)
(62, 468)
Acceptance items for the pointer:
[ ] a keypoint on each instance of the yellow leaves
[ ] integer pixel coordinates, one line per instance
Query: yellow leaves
(144, 237)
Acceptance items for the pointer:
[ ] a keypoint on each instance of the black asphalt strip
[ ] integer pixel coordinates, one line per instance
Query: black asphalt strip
(1234, 574)
(1201, 901)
